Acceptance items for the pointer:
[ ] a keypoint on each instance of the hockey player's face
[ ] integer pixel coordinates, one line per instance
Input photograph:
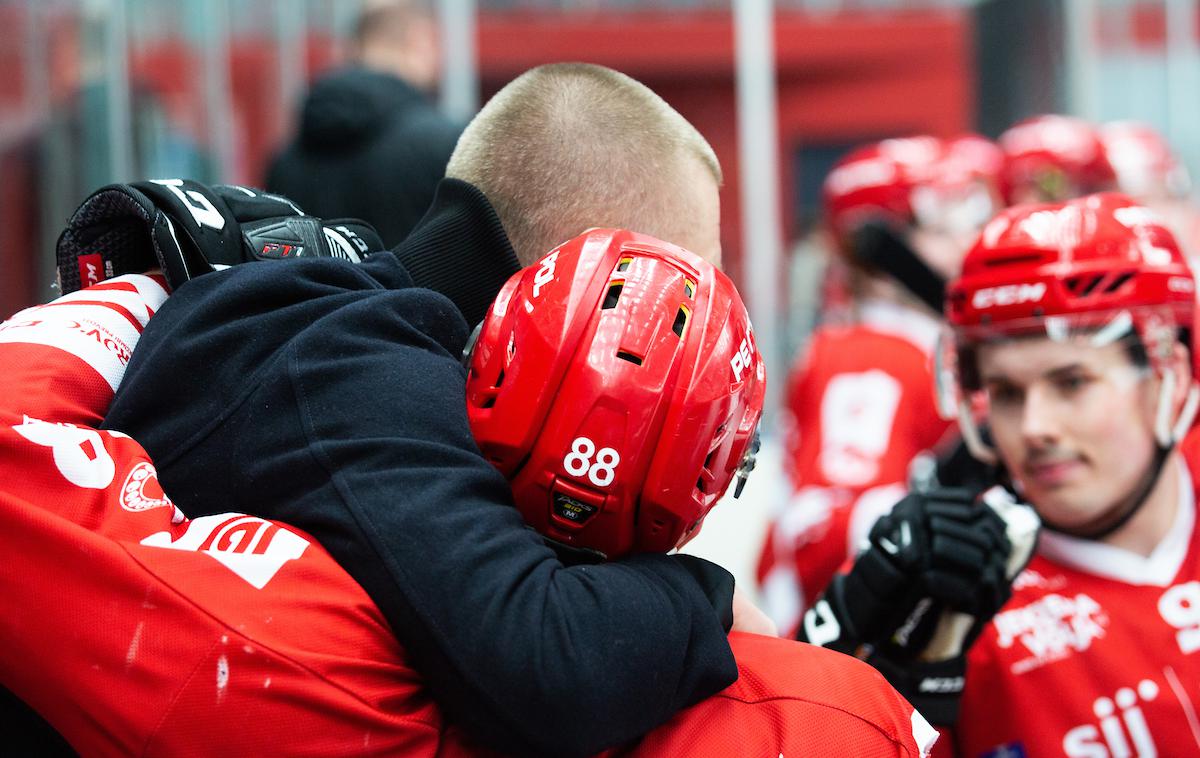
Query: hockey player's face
(1073, 422)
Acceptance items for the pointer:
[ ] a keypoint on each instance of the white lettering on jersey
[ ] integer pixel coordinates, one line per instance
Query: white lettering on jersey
(78, 453)
(1180, 607)
(1051, 628)
(1120, 735)
(250, 547)
(857, 414)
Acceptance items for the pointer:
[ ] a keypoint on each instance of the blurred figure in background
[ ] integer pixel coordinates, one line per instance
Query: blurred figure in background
(1051, 158)
(1149, 171)
(859, 402)
(370, 144)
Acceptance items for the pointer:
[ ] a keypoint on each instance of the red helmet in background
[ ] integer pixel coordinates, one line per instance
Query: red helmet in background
(960, 191)
(915, 181)
(1145, 165)
(1053, 158)
(1099, 265)
(875, 183)
(617, 385)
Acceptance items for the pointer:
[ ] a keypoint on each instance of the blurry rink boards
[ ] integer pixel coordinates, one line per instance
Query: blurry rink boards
(733, 533)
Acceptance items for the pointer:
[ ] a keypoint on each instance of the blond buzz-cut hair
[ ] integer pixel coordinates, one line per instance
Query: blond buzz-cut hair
(568, 146)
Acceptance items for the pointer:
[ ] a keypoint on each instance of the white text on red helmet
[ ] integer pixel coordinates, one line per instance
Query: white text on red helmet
(1009, 294)
(545, 274)
(743, 358)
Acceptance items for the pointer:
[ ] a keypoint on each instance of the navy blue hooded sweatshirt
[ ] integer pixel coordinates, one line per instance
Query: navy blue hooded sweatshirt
(330, 396)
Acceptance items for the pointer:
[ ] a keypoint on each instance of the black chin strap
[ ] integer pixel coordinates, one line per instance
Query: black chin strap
(1124, 509)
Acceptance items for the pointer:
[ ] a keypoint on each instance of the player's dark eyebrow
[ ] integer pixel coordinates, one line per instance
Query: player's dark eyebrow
(1062, 372)
(1058, 372)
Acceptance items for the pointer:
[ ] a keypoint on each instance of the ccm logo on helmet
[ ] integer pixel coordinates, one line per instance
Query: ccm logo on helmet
(1009, 294)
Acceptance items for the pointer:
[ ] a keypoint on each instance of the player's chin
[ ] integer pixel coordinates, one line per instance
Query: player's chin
(1068, 507)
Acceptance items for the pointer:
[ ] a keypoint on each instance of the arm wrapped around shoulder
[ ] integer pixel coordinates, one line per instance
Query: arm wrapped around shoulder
(187, 229)
(937, 569)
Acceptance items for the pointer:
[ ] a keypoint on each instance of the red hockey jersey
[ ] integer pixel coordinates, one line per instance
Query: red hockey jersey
(134, 630)
(1096, 655)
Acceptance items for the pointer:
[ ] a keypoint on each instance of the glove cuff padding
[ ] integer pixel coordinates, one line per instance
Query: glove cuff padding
(116, 230)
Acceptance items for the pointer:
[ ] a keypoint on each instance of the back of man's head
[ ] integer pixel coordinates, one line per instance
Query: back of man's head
(398, 37)
(569, 146)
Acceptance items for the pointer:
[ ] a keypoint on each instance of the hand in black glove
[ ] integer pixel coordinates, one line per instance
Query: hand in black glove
(937, 569)
(187, 229)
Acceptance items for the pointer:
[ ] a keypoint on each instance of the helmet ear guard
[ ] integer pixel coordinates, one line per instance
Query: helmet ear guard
(617, 385)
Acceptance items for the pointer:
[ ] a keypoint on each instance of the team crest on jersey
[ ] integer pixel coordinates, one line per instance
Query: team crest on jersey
(252, 548)
(1051, 628)
(141, 490)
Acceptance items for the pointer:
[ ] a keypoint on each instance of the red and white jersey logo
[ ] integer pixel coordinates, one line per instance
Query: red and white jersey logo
(1051, 628)
(252, 548)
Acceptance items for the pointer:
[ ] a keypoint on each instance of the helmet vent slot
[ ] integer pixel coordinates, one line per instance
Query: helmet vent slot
(681, 319)
(1082, 286)
(623, 264)
(700, 485)
(689, 287)
(627, 356)
(1117, 282)
(499, 379)
(614, 294)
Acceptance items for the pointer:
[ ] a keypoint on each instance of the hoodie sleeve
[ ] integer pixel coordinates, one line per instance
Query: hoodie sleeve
(354, 429)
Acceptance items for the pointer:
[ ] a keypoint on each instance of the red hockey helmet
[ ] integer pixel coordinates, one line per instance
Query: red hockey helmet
(1053, 158)
(616, 383)
(875, 182)
(960, 190)
(1145, 165)
(1099, 265)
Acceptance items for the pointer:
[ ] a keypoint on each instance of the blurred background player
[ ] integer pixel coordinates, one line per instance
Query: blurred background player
(295, 645)
(1051, 158)
(859, 402)
(369, 143)
(1149, 171)
(1072, 325)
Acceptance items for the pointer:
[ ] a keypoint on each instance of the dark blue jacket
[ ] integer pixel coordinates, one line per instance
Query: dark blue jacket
(330, 396)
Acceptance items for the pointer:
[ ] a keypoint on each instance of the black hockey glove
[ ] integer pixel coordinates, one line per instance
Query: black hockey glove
(187, 229)
(937, 568)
